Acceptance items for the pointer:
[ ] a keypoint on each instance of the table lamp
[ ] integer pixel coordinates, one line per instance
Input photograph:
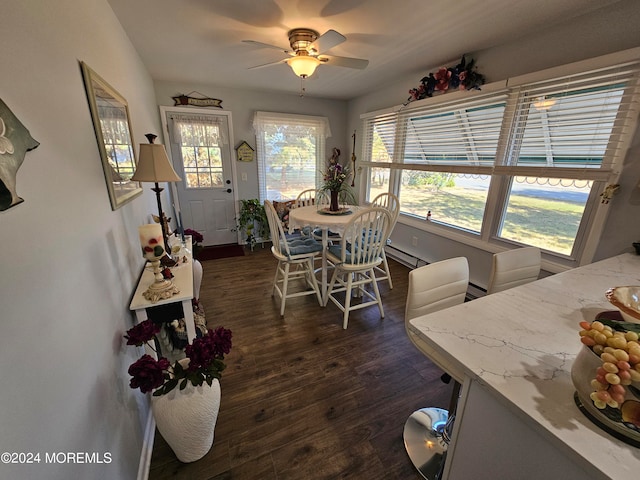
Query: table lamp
(154, 166)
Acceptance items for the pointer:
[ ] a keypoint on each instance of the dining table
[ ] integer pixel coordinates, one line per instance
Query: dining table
(319, 217)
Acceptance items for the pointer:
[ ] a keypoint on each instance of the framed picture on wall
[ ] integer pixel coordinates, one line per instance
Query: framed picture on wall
(110, 115)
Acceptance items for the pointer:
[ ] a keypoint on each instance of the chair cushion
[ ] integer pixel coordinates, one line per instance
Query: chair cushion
(293, 235)
(282, 209)
(369, 231)
(336, 250)
(302, 245)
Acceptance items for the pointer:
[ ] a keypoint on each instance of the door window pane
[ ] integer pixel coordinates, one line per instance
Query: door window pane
(201, 155)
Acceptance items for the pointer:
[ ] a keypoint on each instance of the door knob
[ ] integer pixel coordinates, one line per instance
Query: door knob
(228, 190)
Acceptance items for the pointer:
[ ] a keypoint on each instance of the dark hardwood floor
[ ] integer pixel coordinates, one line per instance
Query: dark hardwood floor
(301, 397)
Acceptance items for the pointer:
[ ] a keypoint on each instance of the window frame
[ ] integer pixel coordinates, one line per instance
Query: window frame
(323, 132)
(594, 214)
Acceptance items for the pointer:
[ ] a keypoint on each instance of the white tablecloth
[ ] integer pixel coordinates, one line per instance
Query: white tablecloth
(311, 217)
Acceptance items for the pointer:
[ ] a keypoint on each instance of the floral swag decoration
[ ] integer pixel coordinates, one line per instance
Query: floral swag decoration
(461, 77)
(205, 355)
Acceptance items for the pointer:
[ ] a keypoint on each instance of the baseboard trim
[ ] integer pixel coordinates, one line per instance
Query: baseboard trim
(147, 448)
(412, 261)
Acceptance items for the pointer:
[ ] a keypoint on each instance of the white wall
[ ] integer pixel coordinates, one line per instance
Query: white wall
(68, 262)
(609, 30)
(243, 104)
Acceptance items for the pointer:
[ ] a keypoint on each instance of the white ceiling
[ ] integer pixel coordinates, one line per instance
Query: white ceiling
(200, 41)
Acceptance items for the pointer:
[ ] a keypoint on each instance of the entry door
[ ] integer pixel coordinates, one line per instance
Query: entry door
(201, 151)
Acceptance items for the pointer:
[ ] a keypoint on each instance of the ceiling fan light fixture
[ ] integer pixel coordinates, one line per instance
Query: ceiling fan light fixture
(303, 65)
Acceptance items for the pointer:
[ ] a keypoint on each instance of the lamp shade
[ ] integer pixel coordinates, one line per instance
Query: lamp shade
(303, 65)
(154, 165)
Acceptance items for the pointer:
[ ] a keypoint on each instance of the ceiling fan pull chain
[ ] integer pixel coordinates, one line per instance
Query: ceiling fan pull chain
(302, 89)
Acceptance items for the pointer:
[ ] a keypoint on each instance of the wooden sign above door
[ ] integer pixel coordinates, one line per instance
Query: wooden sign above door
(197, 102)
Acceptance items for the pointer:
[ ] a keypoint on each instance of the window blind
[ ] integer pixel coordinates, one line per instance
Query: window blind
(288, 140)
(573, 127)
(575, 122)
(462, 133)
(379, 138)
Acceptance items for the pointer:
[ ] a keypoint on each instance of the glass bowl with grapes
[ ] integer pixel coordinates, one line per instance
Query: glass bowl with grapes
(606, 374)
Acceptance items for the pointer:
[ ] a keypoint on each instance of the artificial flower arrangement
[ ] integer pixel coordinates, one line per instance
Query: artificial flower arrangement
(463, 76)
(336, 178)
(205, 360)
(196, 240)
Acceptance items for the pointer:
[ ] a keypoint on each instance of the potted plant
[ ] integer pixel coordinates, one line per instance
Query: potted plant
(253, 219)
(185, 416)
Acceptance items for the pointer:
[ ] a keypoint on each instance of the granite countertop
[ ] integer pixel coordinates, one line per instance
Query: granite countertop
(520, 344)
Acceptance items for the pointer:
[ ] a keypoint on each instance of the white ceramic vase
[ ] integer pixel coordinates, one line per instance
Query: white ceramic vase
(186, 419)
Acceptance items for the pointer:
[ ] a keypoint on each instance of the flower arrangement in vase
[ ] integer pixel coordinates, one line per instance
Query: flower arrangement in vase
(205, 360)
(196, 241)
(336, 183)
(185, 416)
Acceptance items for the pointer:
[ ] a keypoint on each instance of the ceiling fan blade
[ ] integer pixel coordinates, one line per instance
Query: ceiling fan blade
(267, 45)
(284, 60)
(358, 63)
(326, 41)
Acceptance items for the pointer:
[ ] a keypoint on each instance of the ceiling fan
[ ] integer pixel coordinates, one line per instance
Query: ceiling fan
(307, 52)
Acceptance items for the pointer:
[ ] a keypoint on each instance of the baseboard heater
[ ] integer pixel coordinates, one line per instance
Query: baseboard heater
(413, 261)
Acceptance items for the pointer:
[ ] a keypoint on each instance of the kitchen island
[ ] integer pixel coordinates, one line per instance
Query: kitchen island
(517, 418)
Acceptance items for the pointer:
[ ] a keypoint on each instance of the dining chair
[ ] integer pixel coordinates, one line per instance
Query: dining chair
(514, 267)
(392, 203)
(298, 253)
(306, 198)
(321, 200)
(433, 287)
(355, 257)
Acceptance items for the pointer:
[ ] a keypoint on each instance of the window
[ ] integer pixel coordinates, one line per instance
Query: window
(520, 164)
(290, 153)
(460, 140)
(201, 140)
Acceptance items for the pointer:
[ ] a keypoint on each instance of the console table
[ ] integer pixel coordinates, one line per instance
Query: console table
(517, 417)
(182, 278)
